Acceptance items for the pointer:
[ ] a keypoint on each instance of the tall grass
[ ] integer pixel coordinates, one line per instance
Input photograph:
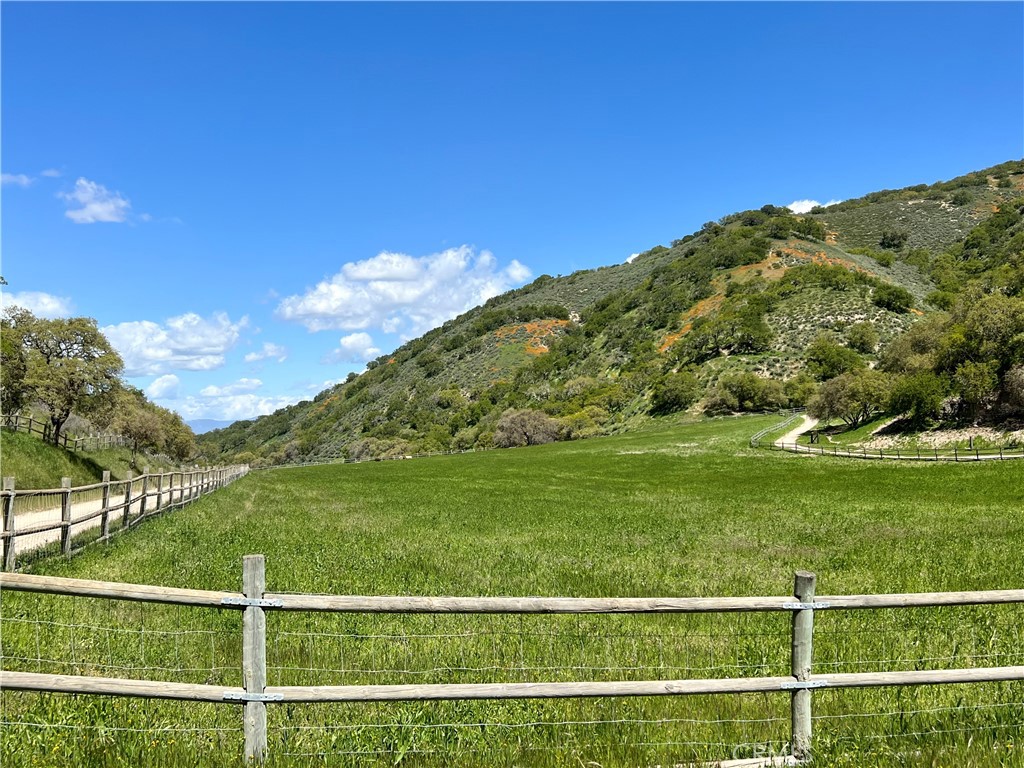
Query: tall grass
(675, 510)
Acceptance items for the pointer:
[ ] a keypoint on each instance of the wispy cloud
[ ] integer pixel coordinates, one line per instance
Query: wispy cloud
(17, 179)
(270, 351)
(39, 303)
(91, 203)
(398, 293)
(354, 348)
(51, 173)
(803, 206)
(186, 342)
(235, 388)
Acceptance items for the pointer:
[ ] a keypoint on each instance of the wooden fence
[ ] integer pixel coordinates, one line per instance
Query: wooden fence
(254, 603)
(911, 454)
(45, 516)
(44, 429)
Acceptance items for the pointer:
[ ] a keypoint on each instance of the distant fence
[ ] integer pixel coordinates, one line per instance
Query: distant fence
(795, 415)
(71, 515)
(905, 454)
(44, 430)
(255, 694)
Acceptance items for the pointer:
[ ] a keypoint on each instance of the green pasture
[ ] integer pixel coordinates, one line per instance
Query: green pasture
(680, 509)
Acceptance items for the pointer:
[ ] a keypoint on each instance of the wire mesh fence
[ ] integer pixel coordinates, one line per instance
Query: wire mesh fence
(62, 634)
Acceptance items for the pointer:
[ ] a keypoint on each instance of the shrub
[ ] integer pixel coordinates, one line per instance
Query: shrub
(675, 392)
(862, 337)
(919, 396)
(893, 240)
(827, 359)
(525, 427)
(893, 298)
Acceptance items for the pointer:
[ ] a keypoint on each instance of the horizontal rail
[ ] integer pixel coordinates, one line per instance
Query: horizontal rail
(58, 585)
(113, 686)
(540, 605)
(921, 599)
(32, 681)
(407, 604)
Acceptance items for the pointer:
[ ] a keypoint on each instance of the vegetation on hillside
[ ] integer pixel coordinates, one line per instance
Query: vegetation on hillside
(755, 311)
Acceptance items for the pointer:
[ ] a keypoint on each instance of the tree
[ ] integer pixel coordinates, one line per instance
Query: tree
(893, 240)
(862, 337)
(525, 427)
(138, 420)
(68, 364)
(854, 397)
(675, 392)
(975, 383)
(826, 358)
(12, 370)
(919, 396)
(893, 297)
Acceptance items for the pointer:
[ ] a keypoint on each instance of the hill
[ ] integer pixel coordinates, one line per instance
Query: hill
(747, 313)
(199, 426)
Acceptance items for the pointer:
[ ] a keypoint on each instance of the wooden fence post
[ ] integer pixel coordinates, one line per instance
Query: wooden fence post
(254, 658)
(9, 523)
(145, 492)
(105, 508)
(65, 515)
(803, 631)
(127, 499)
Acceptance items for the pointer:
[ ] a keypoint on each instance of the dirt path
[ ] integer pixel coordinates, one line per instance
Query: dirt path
(790, 437)
(83, 508)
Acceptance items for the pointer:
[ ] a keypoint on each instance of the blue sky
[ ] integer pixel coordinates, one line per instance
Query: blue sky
(254, 199)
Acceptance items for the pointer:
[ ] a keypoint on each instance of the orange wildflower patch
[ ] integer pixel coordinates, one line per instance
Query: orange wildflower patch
(535, 332)
(703, 307)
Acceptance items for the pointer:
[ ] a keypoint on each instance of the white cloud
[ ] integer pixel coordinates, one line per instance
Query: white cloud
(187, 342)
(233, 407)
(397, 292)
(631, 258)
(238, 387)
(354, 348)
(164, 387)
(803, 206)
(39, 304)
(91, 203)
(18, 179)
(270, 351)
(50, 173)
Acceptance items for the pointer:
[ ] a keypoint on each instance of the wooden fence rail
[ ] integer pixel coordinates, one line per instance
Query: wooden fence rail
(41, 517)
(912, 454)
(32, 426)
(255, 695)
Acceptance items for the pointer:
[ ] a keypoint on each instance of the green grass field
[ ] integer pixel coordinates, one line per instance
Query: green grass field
(679, 509)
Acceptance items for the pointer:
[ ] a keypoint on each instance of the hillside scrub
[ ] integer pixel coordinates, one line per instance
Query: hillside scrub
(760, 292)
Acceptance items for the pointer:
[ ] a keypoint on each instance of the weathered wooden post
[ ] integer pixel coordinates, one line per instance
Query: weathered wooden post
(803, 631)
(105, 508)
(145, 492)
(9, 523)
(126, 514)
(65, 515)
(254, 657)
(159, 491)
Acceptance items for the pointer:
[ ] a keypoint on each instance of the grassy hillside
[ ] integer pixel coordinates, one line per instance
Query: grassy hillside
(35, 464)
(592, 350)
(675, 509)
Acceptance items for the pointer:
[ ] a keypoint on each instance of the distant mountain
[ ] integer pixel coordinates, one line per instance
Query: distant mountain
(201, 426)
(731, 317)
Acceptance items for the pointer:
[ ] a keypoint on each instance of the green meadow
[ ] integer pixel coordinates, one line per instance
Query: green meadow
(680, 509)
